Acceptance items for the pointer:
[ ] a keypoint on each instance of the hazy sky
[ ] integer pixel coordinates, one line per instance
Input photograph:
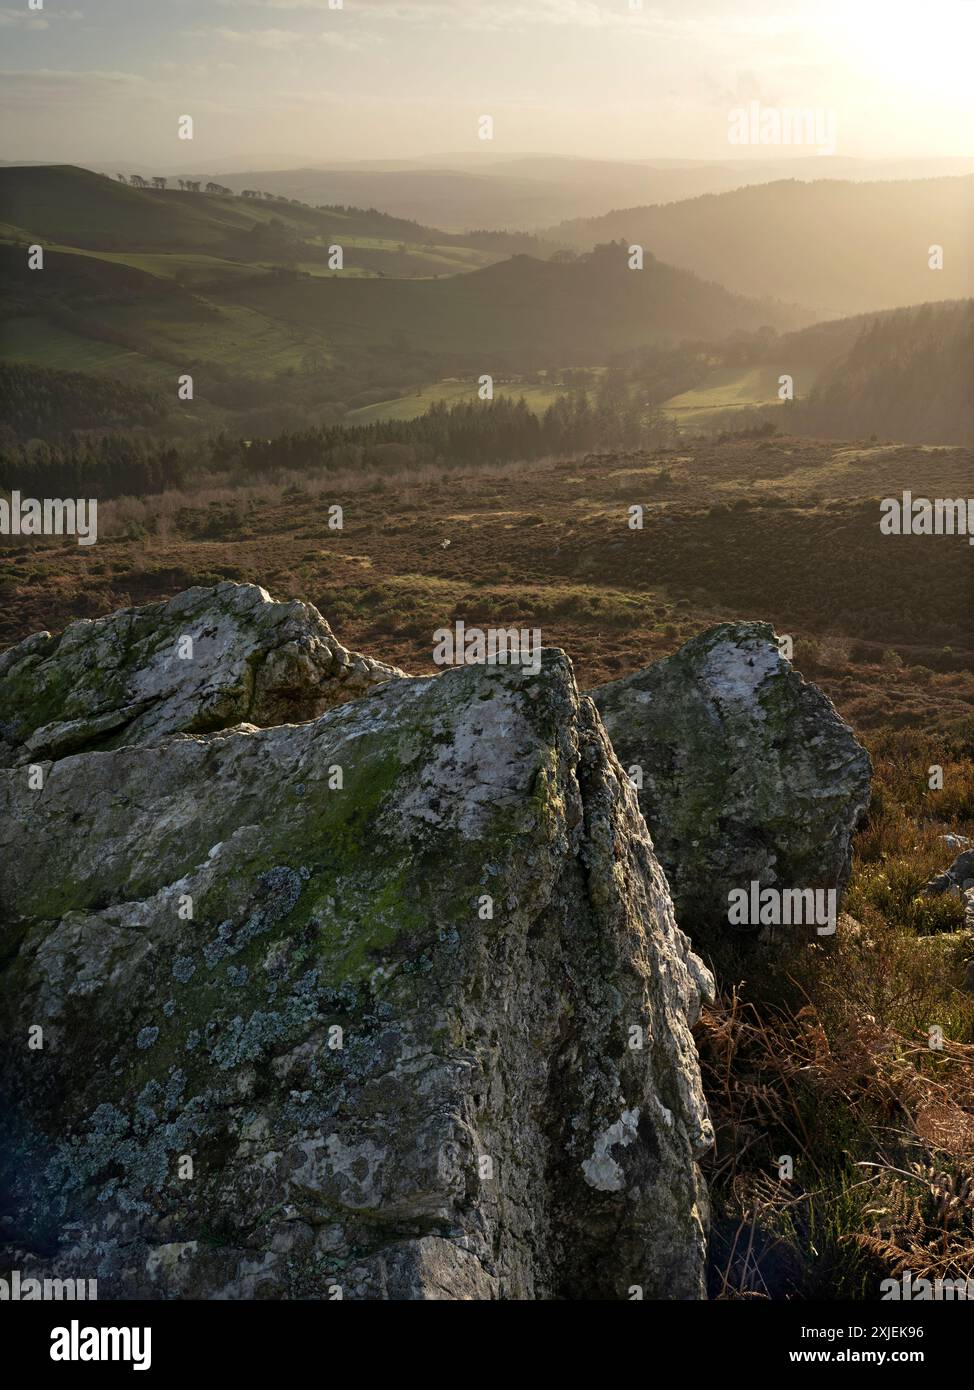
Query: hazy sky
(278, 82)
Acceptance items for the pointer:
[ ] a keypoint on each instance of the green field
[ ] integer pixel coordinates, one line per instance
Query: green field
(43, 344)
(734, 388)
(451, 392)
(187, 267)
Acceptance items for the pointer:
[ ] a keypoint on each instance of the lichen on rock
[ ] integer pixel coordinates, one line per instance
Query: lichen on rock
(748, 773)
(206, 659)
(374, 1031)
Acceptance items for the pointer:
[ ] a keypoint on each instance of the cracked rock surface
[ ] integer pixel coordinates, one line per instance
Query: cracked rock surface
(390, 1002)
(132, 678)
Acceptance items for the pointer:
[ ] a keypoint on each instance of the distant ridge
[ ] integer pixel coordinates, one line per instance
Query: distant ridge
(839, 247)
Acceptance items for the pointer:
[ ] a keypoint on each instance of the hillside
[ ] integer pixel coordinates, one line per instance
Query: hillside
(902, 374)
(836, 247)
(64, 205)
(906, 376)
(519, 193)
(145, 286)
(521, 309)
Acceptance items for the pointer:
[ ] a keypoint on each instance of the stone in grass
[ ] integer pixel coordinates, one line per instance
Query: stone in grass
(748, 773)
(957, 879)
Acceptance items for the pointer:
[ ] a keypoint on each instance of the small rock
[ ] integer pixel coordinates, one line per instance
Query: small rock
(959, 877)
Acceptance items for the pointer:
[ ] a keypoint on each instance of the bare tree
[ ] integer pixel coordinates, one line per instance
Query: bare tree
(138, 181)
(121, 178)
(158, 182)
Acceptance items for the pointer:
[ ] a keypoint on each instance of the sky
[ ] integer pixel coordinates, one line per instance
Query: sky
(279, 83)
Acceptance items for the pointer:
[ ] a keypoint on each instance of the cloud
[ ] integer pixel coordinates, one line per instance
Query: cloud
(500, 14)
(279, 4)
(482, 15)
(21, 19)
(31, 19)
(277, 40)
(49, 86)
(335, 40)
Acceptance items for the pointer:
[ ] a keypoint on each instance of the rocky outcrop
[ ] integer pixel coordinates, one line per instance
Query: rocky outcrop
(204, 660)
(748, 774)
(386, 1004)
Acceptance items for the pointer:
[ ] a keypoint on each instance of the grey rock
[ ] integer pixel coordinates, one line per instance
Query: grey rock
(749, 774)
(956, 879)
(286, 1049)
(132, 678)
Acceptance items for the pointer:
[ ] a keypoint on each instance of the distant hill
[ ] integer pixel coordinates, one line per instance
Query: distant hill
(901, 374)
(837, 248)
(73, 207)
(522, 310)
(142, 284)
(905, 376)
(77, 208)
(525, 192)
(517, 194)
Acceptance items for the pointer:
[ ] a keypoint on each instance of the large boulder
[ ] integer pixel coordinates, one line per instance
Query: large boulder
(390, 1003)
(204, 660)
(748, 773)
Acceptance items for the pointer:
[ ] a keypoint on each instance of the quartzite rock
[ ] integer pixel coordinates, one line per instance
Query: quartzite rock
(132, 678)
(748, 773)
(425, 1035)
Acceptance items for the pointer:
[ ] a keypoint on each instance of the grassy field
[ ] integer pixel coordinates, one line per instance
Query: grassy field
(37, 341)
(734, 388)
(451, 392)
(187, 267)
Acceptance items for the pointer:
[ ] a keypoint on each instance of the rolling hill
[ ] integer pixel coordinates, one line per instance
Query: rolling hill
(838, 248)
(65, 206)
(905, 376)
(522, 309)
(146, 285)
(525, 192)
(141, 286)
